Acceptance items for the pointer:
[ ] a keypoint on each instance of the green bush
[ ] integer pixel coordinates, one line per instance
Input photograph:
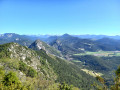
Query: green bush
(23, 67)
(31, 72)
(4, 50)
(10, 79)
(65, 86)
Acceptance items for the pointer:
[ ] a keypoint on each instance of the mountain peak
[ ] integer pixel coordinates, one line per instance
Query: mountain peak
(66, 34)
(38, 41)
(37, 45)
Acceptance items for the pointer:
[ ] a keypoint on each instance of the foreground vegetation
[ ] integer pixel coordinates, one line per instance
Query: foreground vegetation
(10, 81)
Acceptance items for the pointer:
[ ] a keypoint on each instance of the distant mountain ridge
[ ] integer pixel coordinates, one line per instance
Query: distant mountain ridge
(96, 37)
(24, 40)
(69, 45)
(66, 43)
(12, 37)
(109, 44)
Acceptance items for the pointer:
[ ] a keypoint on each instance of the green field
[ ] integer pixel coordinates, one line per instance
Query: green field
(101, 53)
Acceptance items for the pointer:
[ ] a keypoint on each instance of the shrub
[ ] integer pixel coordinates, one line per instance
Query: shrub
(10, 79)
(31, 72)
(23, 67)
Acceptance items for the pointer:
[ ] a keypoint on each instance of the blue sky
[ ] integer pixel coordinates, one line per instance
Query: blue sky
(60, 16)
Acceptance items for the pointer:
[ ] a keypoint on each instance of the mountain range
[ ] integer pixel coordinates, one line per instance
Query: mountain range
(49, 61)
(41, 67)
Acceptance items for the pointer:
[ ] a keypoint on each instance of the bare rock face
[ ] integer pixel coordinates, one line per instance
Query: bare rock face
(38, 45)
(30, 58)
(23, 53)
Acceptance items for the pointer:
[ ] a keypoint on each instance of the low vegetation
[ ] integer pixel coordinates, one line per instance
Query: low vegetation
(92, 73)
(29, 71)
(9, 81)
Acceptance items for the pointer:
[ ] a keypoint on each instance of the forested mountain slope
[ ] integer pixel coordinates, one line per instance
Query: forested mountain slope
(69, 45)
(41, 69)
(109, 44)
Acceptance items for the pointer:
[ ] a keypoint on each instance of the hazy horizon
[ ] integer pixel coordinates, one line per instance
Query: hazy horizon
(57, 34)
